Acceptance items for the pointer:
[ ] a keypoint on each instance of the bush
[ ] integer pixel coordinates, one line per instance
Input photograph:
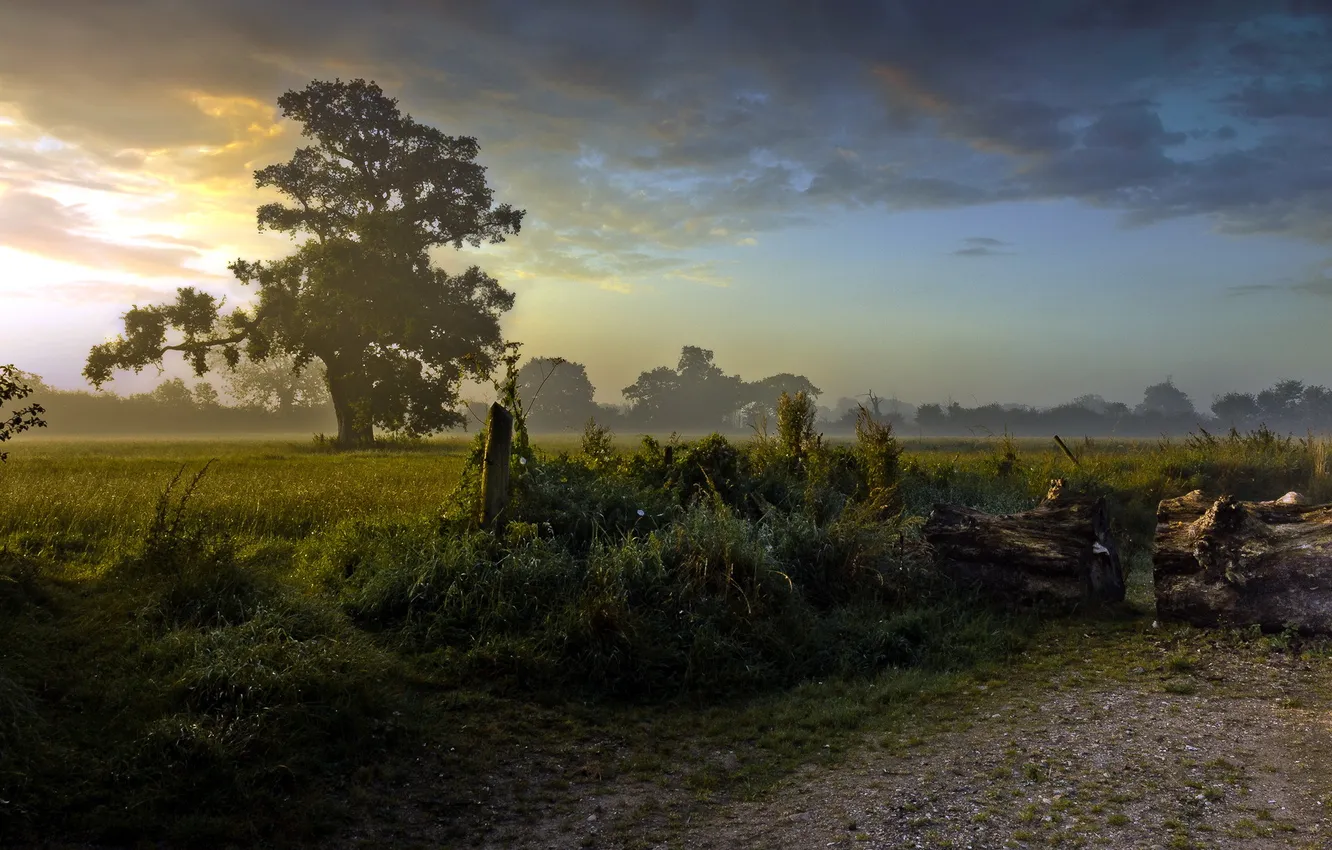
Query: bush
(705, 567)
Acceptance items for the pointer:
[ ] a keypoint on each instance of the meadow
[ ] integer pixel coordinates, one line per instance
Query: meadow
(253, 641)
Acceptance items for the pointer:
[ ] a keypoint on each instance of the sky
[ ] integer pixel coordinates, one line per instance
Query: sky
(965, 200)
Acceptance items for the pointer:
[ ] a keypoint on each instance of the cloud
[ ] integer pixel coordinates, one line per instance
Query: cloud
(1257, 288)
(1260, 100)
(1130, 126)
(705, 123)
(40, 225)
(1315, 286)
(1013, 125)
(1317, 281)
(704, 273)
(108, 292)
(981, 246)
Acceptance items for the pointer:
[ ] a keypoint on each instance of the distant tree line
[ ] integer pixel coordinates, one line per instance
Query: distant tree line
(262, 398)
(1287, 407)
(697, 396)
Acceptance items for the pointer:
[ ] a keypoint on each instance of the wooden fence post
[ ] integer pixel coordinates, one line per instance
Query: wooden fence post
(495, 484)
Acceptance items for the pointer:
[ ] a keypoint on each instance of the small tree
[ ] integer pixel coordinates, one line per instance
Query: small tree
(762, 396)
(556, 393)
(1280, 402)
(173, 394)
(205, 396)
(1165, 399)
(277, 383)
(1236, 410)
(931, 416)
(13, 387)
(1316, 407)
(795, 424)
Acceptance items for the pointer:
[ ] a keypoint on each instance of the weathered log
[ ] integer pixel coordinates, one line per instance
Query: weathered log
(1061, 551)
(1223, 562)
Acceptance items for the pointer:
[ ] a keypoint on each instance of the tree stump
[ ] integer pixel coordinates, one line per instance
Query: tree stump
(1059, 552)
(1223, 562)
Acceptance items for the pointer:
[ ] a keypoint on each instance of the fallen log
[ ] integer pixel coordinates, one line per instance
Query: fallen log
(1061, 551)
(1223, 562)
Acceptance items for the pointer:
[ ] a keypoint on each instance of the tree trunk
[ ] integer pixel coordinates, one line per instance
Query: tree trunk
(1222, 562)
(1061, 551)
(351, 406)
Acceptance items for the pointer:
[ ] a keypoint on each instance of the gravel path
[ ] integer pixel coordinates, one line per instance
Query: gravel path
(1136, 747)
(1131, 765)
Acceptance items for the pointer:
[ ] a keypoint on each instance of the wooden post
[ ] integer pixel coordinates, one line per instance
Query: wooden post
(495, 484)
(1067, 451)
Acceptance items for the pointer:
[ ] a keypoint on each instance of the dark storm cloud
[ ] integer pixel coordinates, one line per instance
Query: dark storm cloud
(1022, 126)
(1130, 126)
(653, 126)
(1259, 100)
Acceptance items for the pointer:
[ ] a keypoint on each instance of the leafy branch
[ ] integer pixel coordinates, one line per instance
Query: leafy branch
(13, 388)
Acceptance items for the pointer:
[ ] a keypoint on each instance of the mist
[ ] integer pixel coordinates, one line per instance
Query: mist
(694, 396)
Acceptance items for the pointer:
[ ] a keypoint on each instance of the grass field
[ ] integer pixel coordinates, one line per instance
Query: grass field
(100, 495)
(249, 664)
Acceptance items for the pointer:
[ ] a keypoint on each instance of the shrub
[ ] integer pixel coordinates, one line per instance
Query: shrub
(878, 453)
(795, 424)
(598, 444)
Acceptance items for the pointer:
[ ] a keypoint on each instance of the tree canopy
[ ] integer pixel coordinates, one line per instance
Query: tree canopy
(371, 197)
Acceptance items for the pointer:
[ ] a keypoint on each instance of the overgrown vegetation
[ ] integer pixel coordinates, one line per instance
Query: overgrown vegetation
(194, 655)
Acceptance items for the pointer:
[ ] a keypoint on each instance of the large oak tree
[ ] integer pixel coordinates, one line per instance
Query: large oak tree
(374, 194)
